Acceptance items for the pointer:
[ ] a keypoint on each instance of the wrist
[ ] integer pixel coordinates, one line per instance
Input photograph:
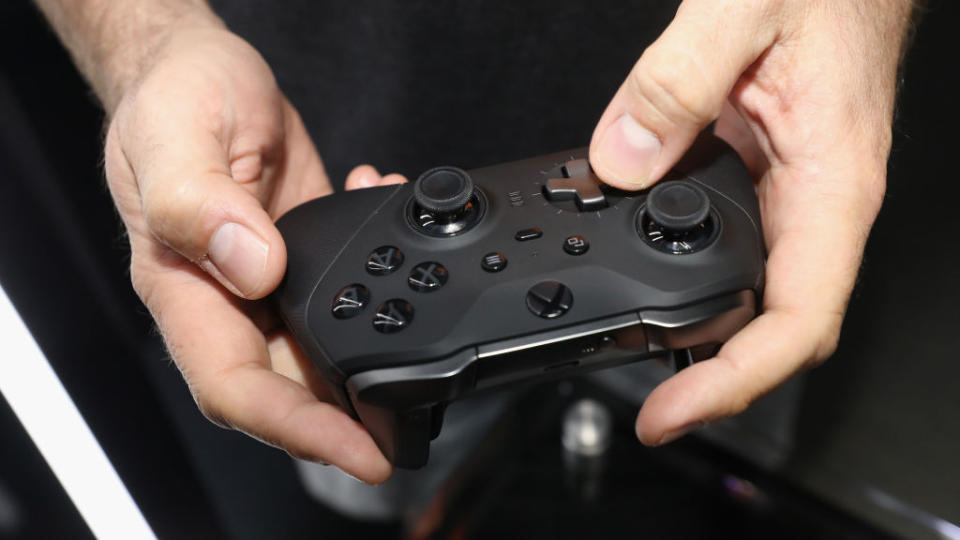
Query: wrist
(113, 44)
(136, 51)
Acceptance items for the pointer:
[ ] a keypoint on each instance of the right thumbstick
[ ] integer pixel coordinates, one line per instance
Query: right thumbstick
(678, 206)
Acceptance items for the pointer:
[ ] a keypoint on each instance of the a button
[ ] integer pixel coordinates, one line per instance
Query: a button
(393, 315)
(384, 260)
(350, 301)
(579, 184)
(549, 299)
(427, 276)
(494, 262)
(528, 234)
(576, 245)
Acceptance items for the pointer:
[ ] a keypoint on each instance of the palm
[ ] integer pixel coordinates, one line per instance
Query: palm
(208, 138)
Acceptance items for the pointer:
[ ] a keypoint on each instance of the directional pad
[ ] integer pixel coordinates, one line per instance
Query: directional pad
(579, 184)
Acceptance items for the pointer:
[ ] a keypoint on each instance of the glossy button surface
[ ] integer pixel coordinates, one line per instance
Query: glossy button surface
(493, 262)
(427, 276)
(350, 301)
(528, 234)
(549, 299)
(384, 260)
(393, 316)
(576, 245)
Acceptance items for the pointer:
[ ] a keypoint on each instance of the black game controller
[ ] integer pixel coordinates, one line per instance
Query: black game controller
(408, 297)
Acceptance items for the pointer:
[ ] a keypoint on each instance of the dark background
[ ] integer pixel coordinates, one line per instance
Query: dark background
(881, 417)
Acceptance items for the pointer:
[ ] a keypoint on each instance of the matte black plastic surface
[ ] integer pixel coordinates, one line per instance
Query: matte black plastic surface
(329, 240)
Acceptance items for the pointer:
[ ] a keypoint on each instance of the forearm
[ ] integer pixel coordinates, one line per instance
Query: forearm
(113, 41)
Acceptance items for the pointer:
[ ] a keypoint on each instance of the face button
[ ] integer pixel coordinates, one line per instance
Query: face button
(350, 301)
(528, 234)
(393, 316)
(578, 184)
(384, 260)
(549, 299)
(493, 262)
(576, 245)
(427, 276)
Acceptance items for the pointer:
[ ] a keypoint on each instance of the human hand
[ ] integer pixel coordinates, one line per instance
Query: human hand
(202, 154)
(804, 91)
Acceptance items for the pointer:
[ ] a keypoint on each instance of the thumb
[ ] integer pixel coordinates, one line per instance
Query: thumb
(676, 88)
(190, 202)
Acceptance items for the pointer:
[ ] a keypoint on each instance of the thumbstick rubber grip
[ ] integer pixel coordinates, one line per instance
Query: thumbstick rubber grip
(677, 205)
(443, 189)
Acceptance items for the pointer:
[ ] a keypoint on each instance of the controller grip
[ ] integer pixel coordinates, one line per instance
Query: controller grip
(402, 435)
(314, 233)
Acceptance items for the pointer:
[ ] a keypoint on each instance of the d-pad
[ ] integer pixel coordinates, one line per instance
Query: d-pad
(578, 184)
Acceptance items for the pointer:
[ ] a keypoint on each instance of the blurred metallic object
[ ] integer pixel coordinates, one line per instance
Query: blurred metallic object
(587, 434)
(587, 428)
(9, 514)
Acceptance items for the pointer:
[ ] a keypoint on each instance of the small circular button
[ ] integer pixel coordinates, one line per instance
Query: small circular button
(549, 299)
(350, 301)
(427, 276)
(576, 245)
(493, 262)
(443, 189)
(393, 316)
(384, 260)
(678, 206)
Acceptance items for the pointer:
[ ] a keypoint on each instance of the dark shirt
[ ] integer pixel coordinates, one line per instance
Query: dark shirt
(407, 85)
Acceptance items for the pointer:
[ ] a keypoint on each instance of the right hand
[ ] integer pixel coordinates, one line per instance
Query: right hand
(202, 154)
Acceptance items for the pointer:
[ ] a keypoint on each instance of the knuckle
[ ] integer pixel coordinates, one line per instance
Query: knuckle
(167, 202)
(303, 454)
(174, 209)
(673, 83)
(827, 339)
(205, 396)
(141, 283)
(825, 348)
(209, 408)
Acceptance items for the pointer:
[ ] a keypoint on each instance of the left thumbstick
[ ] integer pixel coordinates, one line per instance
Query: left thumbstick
(443, 190)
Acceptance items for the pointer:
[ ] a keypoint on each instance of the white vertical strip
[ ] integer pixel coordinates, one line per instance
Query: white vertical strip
(53, 422)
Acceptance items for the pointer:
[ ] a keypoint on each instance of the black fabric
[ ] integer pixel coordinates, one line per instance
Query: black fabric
(408, 85)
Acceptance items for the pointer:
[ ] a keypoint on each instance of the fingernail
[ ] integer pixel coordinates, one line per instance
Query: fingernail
(239, 256)
(675, 434)
(629, 151)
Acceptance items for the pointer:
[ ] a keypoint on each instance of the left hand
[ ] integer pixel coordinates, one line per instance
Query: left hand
(804, 90)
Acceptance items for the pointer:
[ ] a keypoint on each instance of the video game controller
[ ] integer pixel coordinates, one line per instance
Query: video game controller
(407, 297)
